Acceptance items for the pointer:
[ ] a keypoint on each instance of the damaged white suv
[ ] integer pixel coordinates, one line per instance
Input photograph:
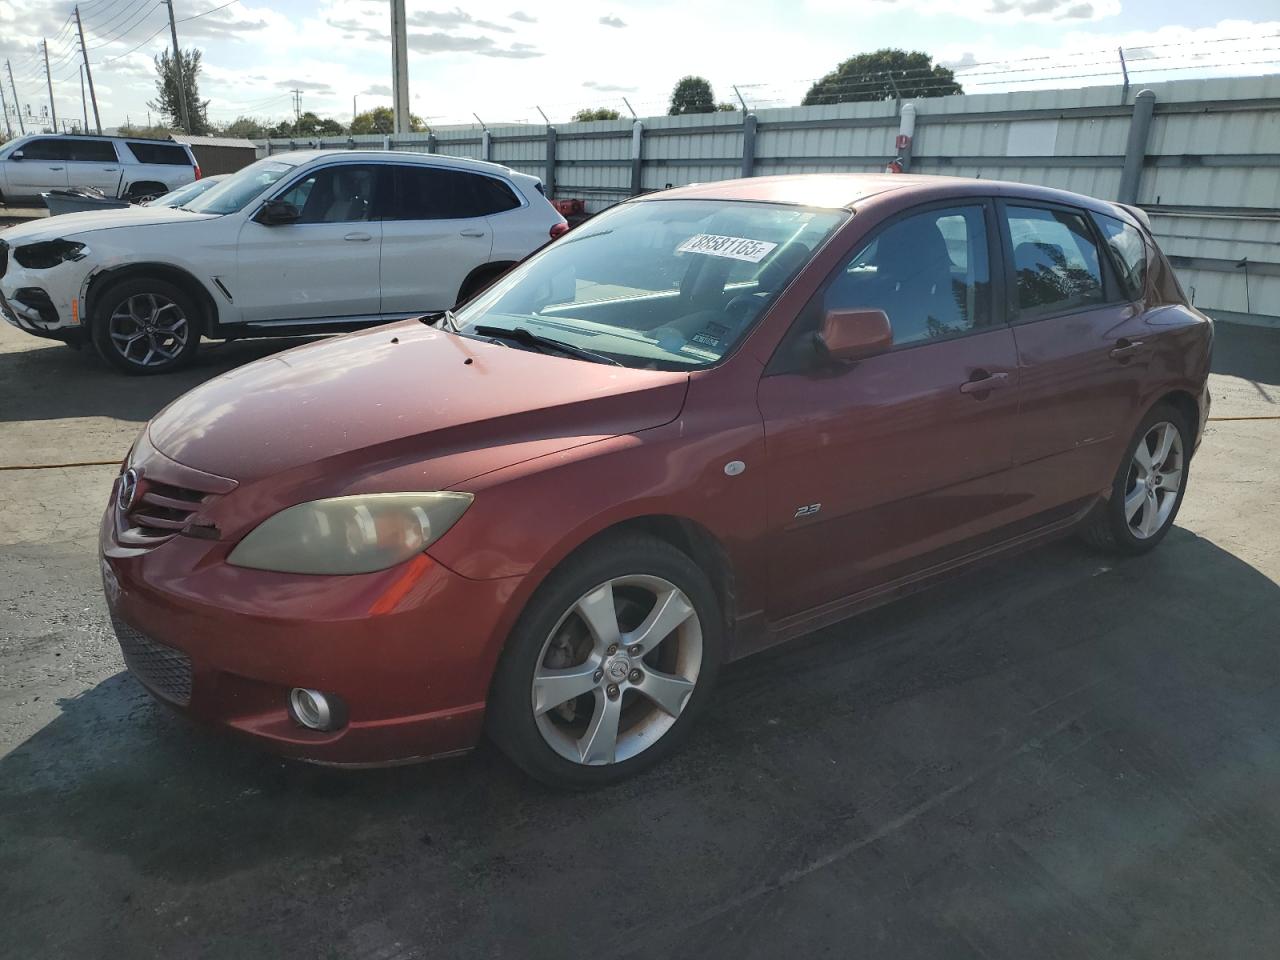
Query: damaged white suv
(296, 243)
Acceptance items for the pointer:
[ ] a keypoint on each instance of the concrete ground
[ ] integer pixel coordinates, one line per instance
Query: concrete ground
(1063, 755)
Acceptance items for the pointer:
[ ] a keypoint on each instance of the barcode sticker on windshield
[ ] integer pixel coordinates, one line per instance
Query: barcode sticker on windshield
(735, 248)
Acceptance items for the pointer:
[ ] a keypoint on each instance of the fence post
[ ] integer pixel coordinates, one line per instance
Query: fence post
(268, 148)
(386, 141)
(431, 141)
(637, 158)
(749, 145)
(486, 146)
(905, 142)
(1135, 152)
(549, 181)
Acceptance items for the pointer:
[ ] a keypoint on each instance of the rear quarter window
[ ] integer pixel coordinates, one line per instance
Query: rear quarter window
(1129, 251)
(164, 153)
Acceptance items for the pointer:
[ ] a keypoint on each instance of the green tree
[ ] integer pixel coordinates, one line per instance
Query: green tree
(883, 75)
(144, 132)
(310, 125)
(726, 107)
(382, 120)
(167, 101)
(245, 127)
(598, 113)
(692, 95)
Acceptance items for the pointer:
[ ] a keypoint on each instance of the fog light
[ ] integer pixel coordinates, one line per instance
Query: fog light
(312, 709)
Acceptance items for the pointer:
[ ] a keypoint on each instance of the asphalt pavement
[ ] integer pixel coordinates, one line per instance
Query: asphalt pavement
(1061, 755)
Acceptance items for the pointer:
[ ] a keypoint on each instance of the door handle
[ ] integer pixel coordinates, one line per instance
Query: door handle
(981, 382)
(55, 168)
(358, 237)
(471, 233)
(1124, 349)
(110, 169)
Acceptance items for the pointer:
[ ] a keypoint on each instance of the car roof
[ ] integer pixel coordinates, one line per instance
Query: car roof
(400, 156)
(846, 190)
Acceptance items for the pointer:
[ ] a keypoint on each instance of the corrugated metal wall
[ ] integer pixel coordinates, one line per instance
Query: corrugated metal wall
(1210, 180)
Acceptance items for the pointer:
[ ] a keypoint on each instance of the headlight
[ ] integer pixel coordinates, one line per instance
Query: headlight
(50, 253)
(345, 535)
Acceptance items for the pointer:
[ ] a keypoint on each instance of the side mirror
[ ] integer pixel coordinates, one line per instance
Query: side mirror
(277, 212)
(854, 334)
(16, 155)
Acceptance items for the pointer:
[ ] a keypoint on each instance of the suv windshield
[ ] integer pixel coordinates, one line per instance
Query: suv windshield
(239, 188)
(663, 284)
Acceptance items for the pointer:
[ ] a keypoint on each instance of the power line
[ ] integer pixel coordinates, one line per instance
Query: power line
(207, 12)
(159, 30)
(124, 33)
(124, 13)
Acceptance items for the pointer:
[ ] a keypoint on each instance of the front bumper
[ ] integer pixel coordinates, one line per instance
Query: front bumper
(225, 645)
(45, 303)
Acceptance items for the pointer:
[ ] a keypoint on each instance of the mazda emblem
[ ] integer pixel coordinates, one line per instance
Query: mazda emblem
(128, 489)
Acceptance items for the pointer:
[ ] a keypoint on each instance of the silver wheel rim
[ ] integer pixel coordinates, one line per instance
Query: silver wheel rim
(1155, 477)
(148, 329)
(617, 670)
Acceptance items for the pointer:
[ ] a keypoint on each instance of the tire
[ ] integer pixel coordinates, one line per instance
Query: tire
(139, 192)
(1131, 521)
(477, 282)
(125, 309)
(565, 744)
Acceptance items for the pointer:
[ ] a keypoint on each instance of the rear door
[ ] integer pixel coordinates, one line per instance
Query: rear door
(43, 167)
(885, 466)
(435, 233)
(326, 264)
(93, 163)
(1082, 354)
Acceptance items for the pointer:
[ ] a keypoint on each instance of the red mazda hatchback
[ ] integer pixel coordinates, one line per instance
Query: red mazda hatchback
(706, 422)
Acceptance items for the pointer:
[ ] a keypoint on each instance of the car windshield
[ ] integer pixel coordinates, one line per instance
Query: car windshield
(237, 190)
(186, 193)
(660, 284)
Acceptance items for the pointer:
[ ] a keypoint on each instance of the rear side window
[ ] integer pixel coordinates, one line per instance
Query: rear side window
(47, 149)
(1130, 252)
(1055, 261)
(96, 151)
(435, 193)
(156, 152)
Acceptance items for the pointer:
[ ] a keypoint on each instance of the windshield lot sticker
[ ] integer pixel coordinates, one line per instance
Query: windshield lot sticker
(734, 248)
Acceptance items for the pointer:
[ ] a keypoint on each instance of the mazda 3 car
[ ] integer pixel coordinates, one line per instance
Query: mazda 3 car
(706, 422)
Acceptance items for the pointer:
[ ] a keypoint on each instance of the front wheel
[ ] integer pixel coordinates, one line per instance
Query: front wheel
(609, 664)
(1148, 487)
(146, 326)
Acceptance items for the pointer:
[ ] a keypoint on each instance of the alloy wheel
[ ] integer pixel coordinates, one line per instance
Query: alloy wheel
(1154, 480)
(617, 670)
(148, 329)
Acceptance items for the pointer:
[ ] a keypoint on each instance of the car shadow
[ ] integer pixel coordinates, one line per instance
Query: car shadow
(53, 381)
(1251, 353)
(962, 711)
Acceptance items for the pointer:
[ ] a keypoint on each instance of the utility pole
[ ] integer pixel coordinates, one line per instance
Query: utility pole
(177, 69)
(97, 123)
(4, 105)
(17, 104)
(84, 104)
(400, 67)
(297, 104)
(48, 78)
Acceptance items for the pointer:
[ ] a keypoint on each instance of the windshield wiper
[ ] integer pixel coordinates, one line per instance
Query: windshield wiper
(531, 339)
(445, 318)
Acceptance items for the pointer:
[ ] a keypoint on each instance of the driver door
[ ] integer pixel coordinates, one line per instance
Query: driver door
(325, 264)
(885, 466)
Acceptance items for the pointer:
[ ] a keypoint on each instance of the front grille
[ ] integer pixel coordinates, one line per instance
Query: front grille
(159, 512)
(163, 669)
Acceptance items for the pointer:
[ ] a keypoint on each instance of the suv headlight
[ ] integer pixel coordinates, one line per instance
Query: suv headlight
(49, 253)
(344, 535)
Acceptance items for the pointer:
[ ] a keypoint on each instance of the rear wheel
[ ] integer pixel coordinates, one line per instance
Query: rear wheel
(146, 326)
(609, 665)
(1148, 487)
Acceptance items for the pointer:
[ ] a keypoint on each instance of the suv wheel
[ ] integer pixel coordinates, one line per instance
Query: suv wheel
(146, 326)
(1148, 487)
(609, 665)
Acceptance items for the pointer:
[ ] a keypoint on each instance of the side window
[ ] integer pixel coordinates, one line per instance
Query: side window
(1125, 241)
(492, 195)
(436, 193)
(338, 194)
(157, 151)
(1055, 262)
(95, 151)
(928, 273)
(46, 149)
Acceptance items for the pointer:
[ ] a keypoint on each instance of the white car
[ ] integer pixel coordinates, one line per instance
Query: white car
(295, 243)
(125, 167)
(185, 194)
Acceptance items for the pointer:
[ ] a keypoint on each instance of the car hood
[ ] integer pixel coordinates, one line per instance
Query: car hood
(331, 415)
(78, 224)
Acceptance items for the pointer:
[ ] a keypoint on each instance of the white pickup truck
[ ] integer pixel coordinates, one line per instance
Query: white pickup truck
(125, 167)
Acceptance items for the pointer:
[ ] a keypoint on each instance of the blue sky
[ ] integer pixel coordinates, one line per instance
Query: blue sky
(502, 59)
